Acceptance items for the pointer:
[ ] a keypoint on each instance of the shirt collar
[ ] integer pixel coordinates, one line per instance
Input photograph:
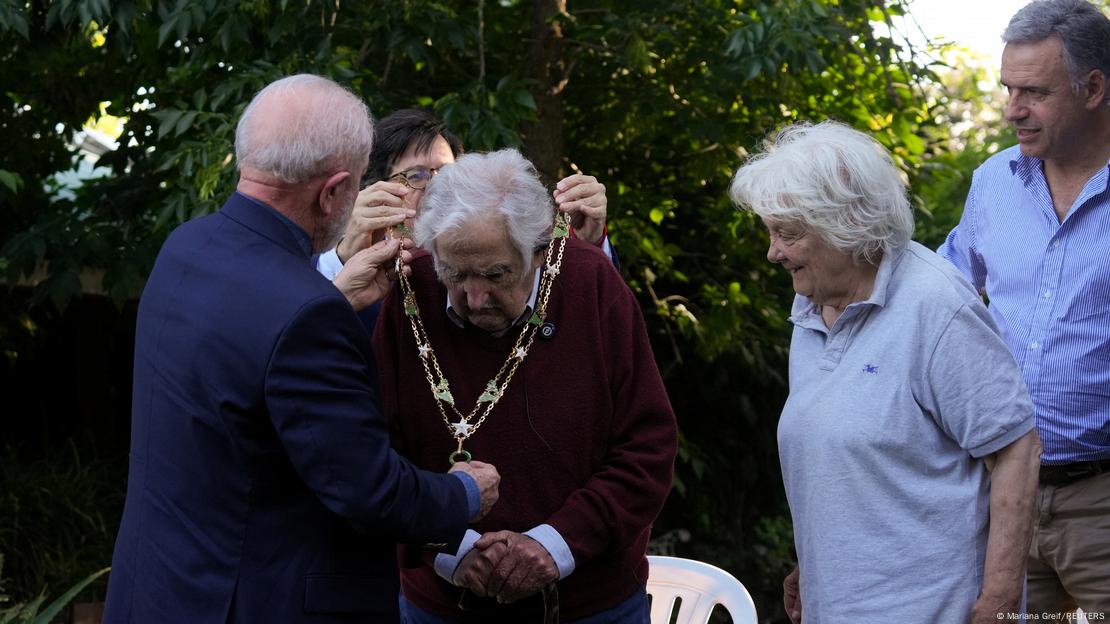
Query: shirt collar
(302, 237)
(1025, 167)
(805, 313)
(1028, 167)
(528, 308)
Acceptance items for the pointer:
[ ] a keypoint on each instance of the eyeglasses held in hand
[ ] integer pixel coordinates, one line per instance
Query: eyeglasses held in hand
(414, 177)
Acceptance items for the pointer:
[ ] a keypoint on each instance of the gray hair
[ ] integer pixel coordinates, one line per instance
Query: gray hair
(314, 125)
(838, 183)
(478, 186)
(1084, 32)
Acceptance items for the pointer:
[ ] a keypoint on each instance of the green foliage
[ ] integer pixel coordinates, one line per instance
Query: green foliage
(971, 130)
(33, 612)
(59, 518)
(661, 99)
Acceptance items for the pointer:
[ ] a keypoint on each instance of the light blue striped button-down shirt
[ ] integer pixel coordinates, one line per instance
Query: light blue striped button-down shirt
(1049, 289)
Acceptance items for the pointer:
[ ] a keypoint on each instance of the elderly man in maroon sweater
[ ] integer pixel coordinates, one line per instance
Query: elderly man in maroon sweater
(514, 344)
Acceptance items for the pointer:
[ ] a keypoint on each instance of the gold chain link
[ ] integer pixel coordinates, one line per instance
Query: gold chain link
(437, 381)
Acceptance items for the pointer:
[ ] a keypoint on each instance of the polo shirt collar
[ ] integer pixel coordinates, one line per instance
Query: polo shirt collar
(807, 314)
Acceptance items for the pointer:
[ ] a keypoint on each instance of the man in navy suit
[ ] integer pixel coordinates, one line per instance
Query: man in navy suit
(262, 487)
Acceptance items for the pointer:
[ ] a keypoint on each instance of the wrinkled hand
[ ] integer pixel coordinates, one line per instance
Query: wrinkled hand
(792, 597)
(365, 278)
(992, 608)
(582, 197)
(524, 570)
(488, 480)
(475, 568)
(378, 207)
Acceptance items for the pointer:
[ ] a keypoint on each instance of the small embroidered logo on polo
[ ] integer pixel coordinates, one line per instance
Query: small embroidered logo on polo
(871, 368)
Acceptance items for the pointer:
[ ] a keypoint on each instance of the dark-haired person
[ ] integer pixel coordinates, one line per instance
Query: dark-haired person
(410, 146)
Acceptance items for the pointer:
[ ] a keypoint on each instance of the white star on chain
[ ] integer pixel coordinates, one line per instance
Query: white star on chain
(424, 349)
(462, 428)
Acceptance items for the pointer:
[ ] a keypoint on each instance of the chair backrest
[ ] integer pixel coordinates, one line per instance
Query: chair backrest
(700, 586)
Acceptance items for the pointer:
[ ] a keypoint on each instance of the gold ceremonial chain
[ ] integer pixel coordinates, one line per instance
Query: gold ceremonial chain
(495, 388)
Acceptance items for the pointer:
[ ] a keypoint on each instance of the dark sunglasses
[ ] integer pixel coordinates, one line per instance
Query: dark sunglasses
(414, 177)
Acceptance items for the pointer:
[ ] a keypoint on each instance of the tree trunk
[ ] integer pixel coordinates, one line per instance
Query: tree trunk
(543, 138)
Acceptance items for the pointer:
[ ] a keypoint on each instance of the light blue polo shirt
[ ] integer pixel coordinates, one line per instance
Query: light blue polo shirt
(881, 442)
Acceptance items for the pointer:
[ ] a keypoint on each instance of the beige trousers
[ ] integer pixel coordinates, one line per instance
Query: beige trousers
(1069, 559)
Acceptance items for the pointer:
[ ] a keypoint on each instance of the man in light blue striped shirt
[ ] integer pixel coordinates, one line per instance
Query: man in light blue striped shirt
(1035, 237)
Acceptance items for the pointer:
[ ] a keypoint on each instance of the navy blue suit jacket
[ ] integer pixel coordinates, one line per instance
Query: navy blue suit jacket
(262, 486)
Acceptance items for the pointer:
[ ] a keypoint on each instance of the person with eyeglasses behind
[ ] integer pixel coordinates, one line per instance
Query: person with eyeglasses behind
(410, 147)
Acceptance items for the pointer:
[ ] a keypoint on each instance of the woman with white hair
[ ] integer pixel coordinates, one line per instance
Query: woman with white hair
(907, 442)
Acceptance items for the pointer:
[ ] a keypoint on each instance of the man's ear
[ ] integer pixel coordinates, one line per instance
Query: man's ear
(1094, 92)
(329, 191)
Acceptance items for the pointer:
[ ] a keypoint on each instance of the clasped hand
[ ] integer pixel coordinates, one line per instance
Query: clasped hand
(506, 565)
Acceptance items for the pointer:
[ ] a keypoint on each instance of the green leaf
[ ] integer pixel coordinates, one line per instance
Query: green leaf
(166, 28)
(220, 94)
(19, 24)
(184, 20)
(52, 15)
(525, 99)
(752, 67)
(54, 608)
(637, 53)
(185, 123)
(735, 43)
(167, 120)
(11, 180)
(914, 144)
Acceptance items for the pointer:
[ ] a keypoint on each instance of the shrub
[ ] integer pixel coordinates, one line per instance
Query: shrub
(58, 518)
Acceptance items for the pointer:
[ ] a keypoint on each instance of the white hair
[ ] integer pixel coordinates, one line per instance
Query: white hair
(303, 126)
(836, 182)
(478, 186)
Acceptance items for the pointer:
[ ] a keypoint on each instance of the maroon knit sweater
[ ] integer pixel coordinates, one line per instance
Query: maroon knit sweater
(584, 437)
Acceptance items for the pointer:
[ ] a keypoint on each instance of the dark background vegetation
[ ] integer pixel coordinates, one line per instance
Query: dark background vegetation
(659, 99)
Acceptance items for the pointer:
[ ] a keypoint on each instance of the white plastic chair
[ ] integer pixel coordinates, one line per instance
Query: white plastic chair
(700, 586)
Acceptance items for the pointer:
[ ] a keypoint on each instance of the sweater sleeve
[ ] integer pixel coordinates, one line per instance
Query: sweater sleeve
(387, 355)
(619, 502)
